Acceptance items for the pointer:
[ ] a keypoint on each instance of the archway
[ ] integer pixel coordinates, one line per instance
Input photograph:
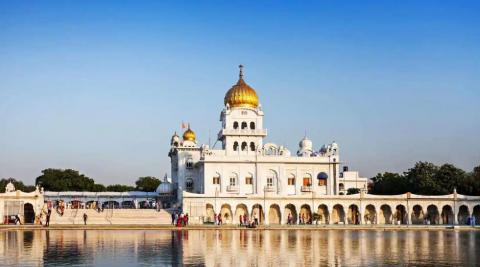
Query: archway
(75, 204)
(240, 211)
(476, 213)
(418, 217)
(338, 214)
(226, 213)
(305, 214)
(28, 213)
(323, 215)
(128, 204)
(385, 215)
(258, 213)
(370, 215)
(110, 204)
(463, 214)
(274, 214)
(400, 215)
(209, 213)
(353, 214)
(447, 215)
(432, 215)
(290, 210)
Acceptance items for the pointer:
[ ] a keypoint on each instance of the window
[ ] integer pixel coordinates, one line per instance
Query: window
(244, 112)
(235, 146)
(233, 181)
(235, 125)
(189, 184)
(252, 146)
(252, 125)
(307, 181)
(291, 180)
(244, 146)
(189, 163)
(341, 186)
(244, 125)
(249, 180)
(322, 178)
(322, 182)
(216, 180)
(270, 181)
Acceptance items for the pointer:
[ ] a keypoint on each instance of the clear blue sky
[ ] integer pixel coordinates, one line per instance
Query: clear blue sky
(100, 86)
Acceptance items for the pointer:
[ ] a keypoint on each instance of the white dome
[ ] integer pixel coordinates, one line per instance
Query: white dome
(306, 144)
(165, 188)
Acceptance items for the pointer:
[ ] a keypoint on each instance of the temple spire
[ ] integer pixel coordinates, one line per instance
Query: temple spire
(241, 71)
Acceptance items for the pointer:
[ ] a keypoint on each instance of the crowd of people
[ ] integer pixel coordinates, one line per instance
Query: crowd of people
(179, 219)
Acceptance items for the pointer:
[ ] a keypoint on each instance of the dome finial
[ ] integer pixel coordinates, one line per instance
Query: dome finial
(241, 71)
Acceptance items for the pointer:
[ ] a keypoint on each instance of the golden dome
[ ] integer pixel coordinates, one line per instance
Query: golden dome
(241, 94)
(189, 135)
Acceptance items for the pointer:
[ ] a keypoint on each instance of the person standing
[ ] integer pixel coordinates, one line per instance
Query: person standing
(85, 217)
(173, 218)
(240, 220)
(49, 213)
(186, 219)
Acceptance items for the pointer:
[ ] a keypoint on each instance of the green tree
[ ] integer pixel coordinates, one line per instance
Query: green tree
(389, 184)
(147, 184)
(421, 179)
(19, 185)
(448, 177)
(66, 180)
(119, 188)
(353, 191)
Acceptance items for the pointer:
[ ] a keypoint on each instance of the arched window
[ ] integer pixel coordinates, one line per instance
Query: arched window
(216, 179)
(189, 163)
(341, 186)
(307, 180)
(252, 125)
(244, 146)
(233, 180)
(244, 125)
(271, 178)
(189, 184)
(235, 146)
(235, 125)
(252, 146)
(322, 178)
(291, 179)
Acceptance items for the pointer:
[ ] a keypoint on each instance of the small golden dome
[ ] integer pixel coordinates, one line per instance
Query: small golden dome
(241, 94)
(189, 135)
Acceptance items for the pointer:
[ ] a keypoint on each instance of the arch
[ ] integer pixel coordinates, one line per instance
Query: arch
(258, 215)
(28, 213)
(226, 214)
(292, 211)
(210, 213)
(432, 215)
(476, 214)
(274, 216)
(76, 204)
(385, 214)
(235, 146)
(252, 125)
(338, 214)
(235, 125)
(128, 204)
(305, 214)
(272, 180)
(189, 184)
(323, 215)
(417, 217)
(112, 204)
(244, 125)
(447, 215)
(341, 186)
(400, 214)
(252, 146)
(244, 146)
(240, 210)
(353, 214)
(463, 214)
(370, 215)
(307, 179)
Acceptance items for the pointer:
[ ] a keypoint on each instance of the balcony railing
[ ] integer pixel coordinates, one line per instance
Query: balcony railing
(306, 188)
(232, 188)
(260, 132)
(269, 188)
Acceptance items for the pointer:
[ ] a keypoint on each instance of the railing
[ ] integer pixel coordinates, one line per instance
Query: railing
(262, 132)
(306, 188)
(232, 188)
(269, 188)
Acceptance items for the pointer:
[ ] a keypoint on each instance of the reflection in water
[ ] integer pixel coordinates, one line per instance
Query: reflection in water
(238, 247)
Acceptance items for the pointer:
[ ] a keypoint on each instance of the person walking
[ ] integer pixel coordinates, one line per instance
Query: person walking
(85, 217)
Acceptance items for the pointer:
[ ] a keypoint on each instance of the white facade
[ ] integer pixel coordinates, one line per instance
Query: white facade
(247, 166)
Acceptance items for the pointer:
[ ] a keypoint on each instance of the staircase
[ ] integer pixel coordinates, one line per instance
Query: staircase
(112, 216)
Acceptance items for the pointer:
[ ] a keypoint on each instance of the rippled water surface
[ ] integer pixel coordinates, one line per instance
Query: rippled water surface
(238, 248)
